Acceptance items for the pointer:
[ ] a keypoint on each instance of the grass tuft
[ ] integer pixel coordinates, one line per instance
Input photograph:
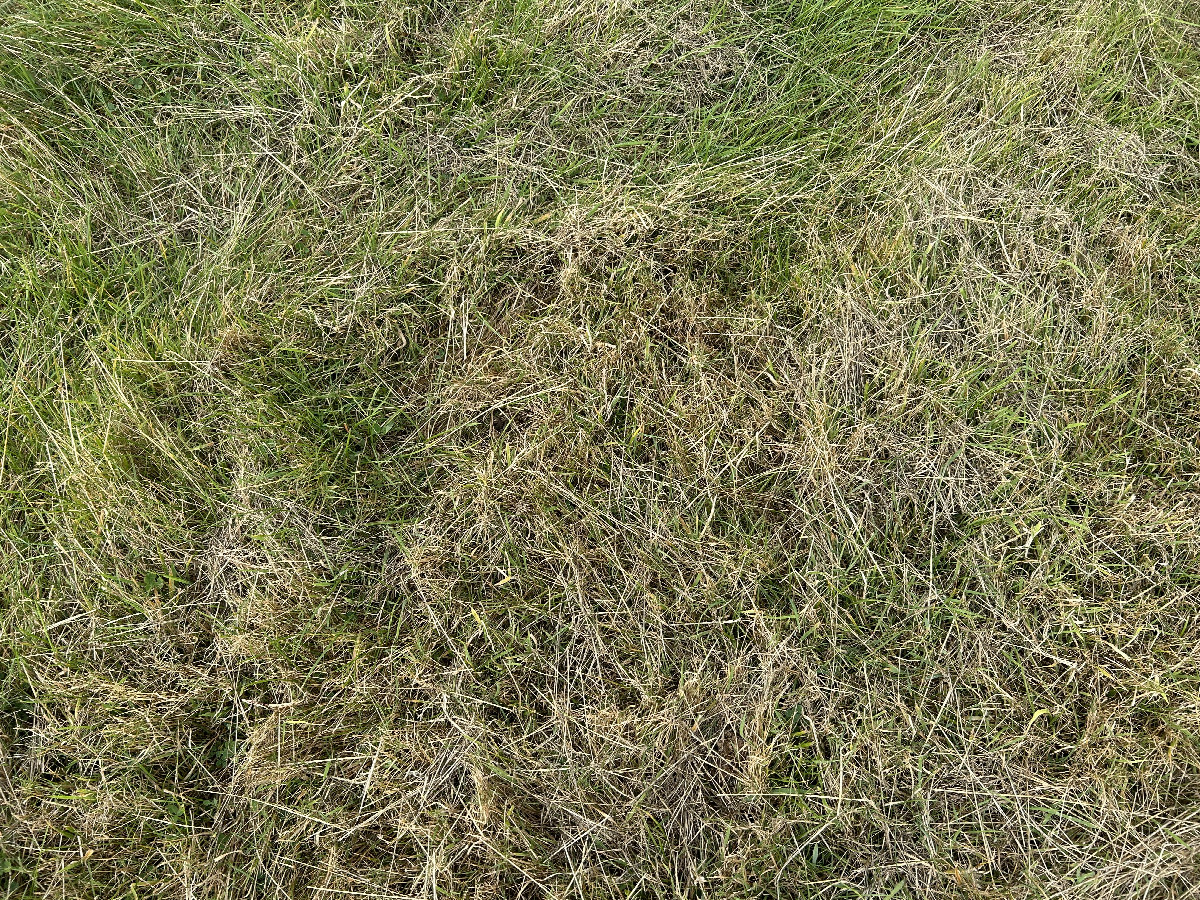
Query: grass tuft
(549, 448)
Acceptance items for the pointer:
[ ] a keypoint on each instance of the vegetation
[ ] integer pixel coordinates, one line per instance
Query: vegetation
(642, 449)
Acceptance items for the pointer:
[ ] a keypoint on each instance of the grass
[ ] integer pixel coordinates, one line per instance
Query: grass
(549, 448)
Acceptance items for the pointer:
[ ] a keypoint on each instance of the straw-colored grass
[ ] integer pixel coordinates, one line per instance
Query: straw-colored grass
(563, 449)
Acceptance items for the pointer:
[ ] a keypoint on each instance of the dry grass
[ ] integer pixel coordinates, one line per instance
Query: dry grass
(539, 448)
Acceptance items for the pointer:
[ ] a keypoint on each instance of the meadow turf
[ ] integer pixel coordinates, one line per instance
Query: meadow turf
(575, 449)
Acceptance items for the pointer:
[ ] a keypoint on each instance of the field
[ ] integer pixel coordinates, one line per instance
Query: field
(570, 449)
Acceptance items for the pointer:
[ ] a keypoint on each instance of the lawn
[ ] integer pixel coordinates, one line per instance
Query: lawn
(534, 449)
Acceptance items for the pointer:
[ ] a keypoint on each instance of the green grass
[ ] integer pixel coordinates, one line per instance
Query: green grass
(547, 448)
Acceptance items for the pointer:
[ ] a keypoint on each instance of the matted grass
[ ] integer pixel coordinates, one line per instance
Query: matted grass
(538, 448)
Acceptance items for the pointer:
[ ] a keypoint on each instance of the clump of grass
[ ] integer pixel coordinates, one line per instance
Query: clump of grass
(563, 449)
